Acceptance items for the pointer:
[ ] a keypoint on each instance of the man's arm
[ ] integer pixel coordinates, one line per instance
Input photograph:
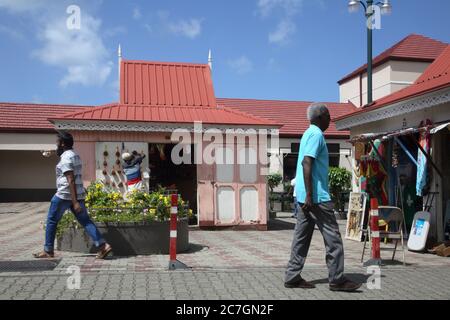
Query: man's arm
(307, 164)
(73, 191)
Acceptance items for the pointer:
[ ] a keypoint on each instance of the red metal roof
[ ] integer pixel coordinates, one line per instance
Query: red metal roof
(412, 48)
(31, 116)
(164, 83)
(435, 77)
(167, 114)
(291, 114)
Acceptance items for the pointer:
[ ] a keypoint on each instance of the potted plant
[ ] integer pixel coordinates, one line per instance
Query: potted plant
(340, 183)
(137, 225)
(273, 180)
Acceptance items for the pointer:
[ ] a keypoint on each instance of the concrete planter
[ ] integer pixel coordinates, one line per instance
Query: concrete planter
(128, 238)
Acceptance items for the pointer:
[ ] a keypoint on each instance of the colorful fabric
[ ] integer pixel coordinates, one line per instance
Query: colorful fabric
(132, 170)
(424, 141)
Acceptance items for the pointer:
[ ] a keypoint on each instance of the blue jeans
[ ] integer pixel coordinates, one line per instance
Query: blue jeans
(57, 208)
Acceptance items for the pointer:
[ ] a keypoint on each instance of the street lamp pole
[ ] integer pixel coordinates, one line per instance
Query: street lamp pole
(369, 12)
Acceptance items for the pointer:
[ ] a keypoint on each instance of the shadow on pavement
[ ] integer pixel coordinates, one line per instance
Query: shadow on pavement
(28, 265)
(278, 224)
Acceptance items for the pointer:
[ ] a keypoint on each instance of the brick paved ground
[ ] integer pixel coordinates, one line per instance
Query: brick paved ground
(225, 265)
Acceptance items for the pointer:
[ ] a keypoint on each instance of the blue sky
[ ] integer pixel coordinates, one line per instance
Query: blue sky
(263, 49)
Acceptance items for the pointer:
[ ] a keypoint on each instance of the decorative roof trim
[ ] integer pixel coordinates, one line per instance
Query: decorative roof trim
(123, 126)
(397, 109)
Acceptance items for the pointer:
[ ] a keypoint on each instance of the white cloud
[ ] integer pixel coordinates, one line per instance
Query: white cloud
(137, 13)
(289, 7)
(286, 27)
(191, 28)
(12, 33)
(241, 65)
(80, 52)
(284, 30)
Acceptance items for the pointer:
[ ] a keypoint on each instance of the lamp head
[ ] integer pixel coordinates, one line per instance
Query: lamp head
(386, 7)
(353, 6)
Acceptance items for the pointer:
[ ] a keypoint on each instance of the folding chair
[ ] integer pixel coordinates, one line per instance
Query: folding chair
(395, 219)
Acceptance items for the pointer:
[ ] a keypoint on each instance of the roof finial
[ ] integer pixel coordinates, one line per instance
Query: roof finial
(210, 59)
(119, 55)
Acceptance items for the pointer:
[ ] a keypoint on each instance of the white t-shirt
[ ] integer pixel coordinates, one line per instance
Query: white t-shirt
(293, 184)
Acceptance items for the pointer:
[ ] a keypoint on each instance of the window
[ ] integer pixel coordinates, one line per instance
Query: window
(333, 152)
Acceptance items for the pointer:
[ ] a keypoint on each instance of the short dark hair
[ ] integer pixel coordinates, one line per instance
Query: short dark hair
(66, 138)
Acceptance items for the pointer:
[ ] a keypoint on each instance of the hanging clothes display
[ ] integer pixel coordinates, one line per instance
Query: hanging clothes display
(373, 176)
(422, 181)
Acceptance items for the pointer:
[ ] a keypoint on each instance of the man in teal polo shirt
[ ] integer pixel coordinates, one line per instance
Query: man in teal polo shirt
(316, 207)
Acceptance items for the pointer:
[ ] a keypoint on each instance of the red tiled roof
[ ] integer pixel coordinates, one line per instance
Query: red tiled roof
(31, 116)
(435, 77)
(291, 114)
(164, 83)
(412, 48)
(167, 114)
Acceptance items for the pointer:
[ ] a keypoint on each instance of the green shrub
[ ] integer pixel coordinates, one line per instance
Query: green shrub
(339, 182)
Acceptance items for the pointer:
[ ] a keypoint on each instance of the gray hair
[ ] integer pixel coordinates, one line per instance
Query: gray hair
(315, 110)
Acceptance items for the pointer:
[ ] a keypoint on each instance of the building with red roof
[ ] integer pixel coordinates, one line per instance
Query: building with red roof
(394, 69)
(292, 116)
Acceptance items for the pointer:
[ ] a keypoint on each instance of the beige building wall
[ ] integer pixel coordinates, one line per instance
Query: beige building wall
(27, 141)
(387, 78)
(22, 165)
(27, 170)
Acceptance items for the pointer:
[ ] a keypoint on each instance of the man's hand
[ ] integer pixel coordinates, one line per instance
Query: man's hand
(77, 207)
(307, 206)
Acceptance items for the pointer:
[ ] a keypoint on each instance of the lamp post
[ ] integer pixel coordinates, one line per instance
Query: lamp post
(368, 5)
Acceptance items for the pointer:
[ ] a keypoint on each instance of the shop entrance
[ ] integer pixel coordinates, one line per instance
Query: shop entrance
(164, 172)
(445, 161)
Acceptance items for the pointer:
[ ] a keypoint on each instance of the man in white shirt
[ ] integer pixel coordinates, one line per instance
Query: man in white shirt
(294, 215)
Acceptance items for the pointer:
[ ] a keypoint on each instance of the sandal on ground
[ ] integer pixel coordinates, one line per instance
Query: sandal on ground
(44, 255)
(104, 251)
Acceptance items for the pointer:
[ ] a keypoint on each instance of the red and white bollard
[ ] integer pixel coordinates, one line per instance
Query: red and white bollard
(374, 234)
(174, 263)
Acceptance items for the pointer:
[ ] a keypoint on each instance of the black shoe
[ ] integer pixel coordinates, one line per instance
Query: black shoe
(302, 283)
(346, 286)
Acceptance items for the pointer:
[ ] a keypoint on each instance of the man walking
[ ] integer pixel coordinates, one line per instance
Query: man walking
(316, 207)
(70, 194)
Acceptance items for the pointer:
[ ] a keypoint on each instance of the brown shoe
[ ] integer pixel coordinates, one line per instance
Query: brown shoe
(104, 251)
(302, 283)
(346, 285)
(44, 255)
